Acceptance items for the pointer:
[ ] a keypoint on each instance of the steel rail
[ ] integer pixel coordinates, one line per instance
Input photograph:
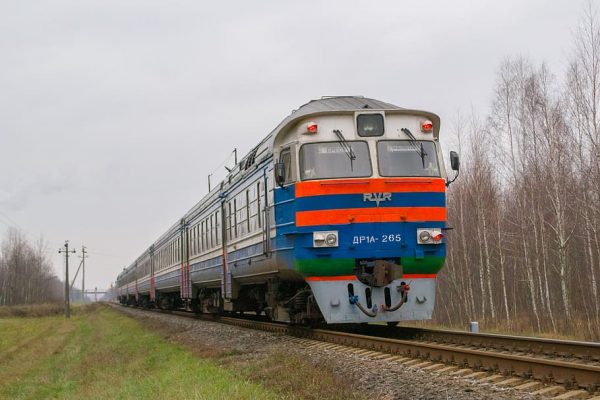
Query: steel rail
(586, 351)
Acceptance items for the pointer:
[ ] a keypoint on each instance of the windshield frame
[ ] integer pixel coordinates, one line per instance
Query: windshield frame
(349, 142)
(418, 142)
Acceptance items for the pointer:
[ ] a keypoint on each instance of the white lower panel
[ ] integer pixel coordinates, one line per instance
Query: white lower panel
(333, 300)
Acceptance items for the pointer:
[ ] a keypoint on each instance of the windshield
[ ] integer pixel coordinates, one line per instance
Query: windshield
(326, 160)
(407, 158)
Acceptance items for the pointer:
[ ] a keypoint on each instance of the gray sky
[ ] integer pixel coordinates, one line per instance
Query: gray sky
(112, 113)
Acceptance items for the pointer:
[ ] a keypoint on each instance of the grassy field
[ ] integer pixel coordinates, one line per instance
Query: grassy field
(101, 354)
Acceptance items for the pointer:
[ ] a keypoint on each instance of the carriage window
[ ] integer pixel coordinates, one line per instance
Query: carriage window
(248, 209)
(258, 211)
(212, 232)
(198, 238)
(326, 160)
(195, 240)
(230, 222)
(407, 158)
(218, 231)
(235, 227)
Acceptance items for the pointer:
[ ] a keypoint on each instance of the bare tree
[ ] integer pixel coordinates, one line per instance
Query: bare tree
(530, 196)
(25, 272)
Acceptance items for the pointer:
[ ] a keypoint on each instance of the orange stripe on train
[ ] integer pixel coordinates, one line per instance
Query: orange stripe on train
(352, 186)
(353, 277)
(370, 214)
(332, 278)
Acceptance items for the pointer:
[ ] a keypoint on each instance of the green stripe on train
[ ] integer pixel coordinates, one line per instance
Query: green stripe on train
(345, 266)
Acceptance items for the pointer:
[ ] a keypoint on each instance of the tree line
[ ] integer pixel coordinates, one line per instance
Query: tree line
(525, 249)
(26, 274)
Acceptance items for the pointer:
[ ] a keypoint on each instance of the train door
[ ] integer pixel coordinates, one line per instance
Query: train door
(184, 260)
(264, 220)
(226, 278)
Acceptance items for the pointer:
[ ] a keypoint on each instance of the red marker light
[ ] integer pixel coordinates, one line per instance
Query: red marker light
(311, 127)
(438, 237)
(426, 126)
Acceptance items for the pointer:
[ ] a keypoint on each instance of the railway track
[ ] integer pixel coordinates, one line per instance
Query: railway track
(574, 365)
(567, 350)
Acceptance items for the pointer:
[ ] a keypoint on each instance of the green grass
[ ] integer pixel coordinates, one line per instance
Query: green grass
(101, 354)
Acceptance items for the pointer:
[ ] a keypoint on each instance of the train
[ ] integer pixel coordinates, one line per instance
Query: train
(338, 216)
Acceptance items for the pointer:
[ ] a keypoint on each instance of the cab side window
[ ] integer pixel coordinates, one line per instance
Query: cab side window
(286, 159)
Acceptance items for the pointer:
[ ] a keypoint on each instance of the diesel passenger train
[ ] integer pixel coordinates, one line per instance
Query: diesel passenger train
(338, 215)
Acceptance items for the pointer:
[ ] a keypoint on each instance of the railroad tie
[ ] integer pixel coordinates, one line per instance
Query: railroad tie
(391, 358)
(434, 367)
(511, 382)
(423, 364)
(476, 375)
(492, 379)
(529, 386)
(572, 395)
(462, 372)
(550, 391)
(448, 369)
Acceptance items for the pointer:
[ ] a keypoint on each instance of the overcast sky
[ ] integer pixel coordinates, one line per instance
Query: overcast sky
(112, 113)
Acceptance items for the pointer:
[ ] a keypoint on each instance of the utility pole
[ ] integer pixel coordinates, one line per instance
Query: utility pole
(83, 256)
(67, 303)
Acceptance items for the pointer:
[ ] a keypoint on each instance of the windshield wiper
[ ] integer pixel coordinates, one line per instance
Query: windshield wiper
(347, 148)
(413, 141)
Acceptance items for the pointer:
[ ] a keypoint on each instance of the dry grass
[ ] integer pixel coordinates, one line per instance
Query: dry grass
(46, 310)
(34, 310)
(523, 326)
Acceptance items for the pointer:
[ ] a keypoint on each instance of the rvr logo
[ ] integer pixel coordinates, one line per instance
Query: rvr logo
(377, 197)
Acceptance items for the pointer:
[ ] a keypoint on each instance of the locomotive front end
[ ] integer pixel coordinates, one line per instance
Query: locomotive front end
(361, 204)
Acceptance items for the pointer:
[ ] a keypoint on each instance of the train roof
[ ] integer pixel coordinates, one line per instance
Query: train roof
(329, 104)
(341, 103)
(347, 104)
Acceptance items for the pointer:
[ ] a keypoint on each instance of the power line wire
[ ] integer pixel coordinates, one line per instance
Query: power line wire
(9, 219)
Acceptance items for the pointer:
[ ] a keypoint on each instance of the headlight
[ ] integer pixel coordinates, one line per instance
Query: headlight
(325, 239)
(424, 236)
(331, 239)
(429, 236)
